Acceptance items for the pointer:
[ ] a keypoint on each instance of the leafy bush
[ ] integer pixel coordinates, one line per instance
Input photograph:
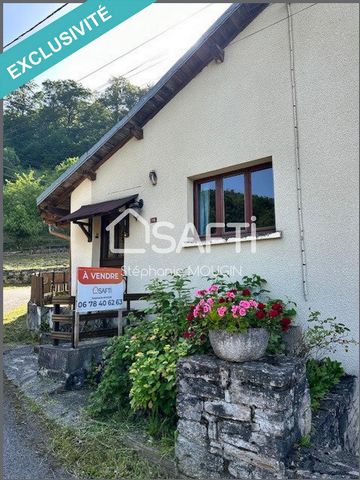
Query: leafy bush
(140, 366)
(322, 376)
(323, 335)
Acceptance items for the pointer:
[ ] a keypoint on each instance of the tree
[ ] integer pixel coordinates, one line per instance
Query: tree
(12, 163)
(62, 119)
(120, 97)
(22, 223)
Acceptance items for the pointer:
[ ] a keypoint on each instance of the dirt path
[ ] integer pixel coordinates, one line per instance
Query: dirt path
(15, 297)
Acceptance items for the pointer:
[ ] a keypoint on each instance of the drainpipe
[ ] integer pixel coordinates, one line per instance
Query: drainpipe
(57, 234)
(297, 154)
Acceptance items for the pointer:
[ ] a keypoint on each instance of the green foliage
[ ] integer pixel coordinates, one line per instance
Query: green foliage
(120, 96)
(46, 128)
(305, 441)
(21, 218)
(62, 119)
(323, 335)
(63, 166)
(140, 366)
(11, 163)
(153, 377)
(322, 376)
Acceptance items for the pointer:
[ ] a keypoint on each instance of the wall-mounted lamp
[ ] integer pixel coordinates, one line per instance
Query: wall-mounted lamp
(153, 177)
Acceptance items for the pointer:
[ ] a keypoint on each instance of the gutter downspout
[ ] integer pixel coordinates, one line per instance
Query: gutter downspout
(297, 155)
(57, 234)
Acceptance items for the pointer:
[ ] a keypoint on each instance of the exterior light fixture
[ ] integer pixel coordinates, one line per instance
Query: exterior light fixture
(153, 177)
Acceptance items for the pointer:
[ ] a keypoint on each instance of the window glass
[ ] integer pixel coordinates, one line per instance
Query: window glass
(207, 212)
(234, 203)
(263, 197)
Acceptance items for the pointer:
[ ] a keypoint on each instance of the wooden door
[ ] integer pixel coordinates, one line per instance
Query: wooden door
(108, 258)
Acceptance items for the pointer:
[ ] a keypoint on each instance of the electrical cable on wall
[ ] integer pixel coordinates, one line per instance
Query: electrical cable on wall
(297, 154)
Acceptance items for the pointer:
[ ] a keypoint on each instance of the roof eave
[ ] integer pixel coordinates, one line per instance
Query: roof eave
(245, 12)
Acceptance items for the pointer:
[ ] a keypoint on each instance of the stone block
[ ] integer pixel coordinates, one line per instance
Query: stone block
(63, 360)
(278, 372)
(239, 420)
(195, 461)
(193, 431)
(228, 410)
(264, 397)
(189, 406)
(200, 388)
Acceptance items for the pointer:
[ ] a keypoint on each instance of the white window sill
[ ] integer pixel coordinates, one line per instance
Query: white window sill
(222, 241)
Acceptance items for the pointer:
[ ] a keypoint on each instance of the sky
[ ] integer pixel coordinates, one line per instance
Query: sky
(184, 24)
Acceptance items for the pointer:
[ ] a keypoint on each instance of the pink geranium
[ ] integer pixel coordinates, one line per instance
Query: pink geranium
(230, 295)
(242, 312)
(245, 304)
(221, 311)
(213, 289)
(206, 308)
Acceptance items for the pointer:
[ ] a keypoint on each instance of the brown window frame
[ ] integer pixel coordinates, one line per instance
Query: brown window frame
(219, 200)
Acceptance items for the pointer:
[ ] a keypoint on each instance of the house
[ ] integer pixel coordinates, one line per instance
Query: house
(259, 118)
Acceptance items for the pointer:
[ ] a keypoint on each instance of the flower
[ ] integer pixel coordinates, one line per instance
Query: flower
(222, 300)
(188, 334)
(245, 304)
(260, 314)
(221, 311)
(253, 303)
(235, 310)
(242, 312)
(206, 308)
(261, 306)
(273, 313)
(190, 317)
(200, 293)
(246, 292)
(230, 295)
(277, 306)
(196, 311)
(285, 324)
(213, 289)
(210, 302)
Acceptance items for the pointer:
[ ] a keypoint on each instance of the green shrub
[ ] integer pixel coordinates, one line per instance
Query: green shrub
(139, 367)
(322, 376)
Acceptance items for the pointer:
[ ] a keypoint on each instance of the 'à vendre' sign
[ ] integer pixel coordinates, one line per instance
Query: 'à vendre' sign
(99, 289)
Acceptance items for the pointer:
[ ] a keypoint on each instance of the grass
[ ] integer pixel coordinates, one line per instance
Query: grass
(39, 261)
(95, 450)
(15, 328)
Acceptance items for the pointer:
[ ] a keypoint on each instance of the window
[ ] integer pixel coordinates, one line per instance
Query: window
(235, 197)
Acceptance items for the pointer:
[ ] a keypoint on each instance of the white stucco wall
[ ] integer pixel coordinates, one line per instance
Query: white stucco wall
(241, 111)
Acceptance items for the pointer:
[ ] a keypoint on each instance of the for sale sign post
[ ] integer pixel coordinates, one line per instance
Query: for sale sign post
(99, 289)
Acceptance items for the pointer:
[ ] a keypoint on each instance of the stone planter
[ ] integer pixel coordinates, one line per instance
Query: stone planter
(239, 347)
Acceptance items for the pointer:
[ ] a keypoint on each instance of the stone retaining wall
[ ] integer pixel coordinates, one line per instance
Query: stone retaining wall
(239, 420)
(23, 277)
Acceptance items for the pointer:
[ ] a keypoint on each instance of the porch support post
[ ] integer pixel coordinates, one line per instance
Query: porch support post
(120, 323)
(76, 332)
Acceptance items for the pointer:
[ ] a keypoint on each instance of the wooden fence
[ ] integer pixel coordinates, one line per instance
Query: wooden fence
(46, 284)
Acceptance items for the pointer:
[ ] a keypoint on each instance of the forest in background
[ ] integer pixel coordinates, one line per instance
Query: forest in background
(47, 128)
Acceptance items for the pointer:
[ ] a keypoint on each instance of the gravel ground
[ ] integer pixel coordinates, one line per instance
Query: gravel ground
(15, 297)
(24, 444)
